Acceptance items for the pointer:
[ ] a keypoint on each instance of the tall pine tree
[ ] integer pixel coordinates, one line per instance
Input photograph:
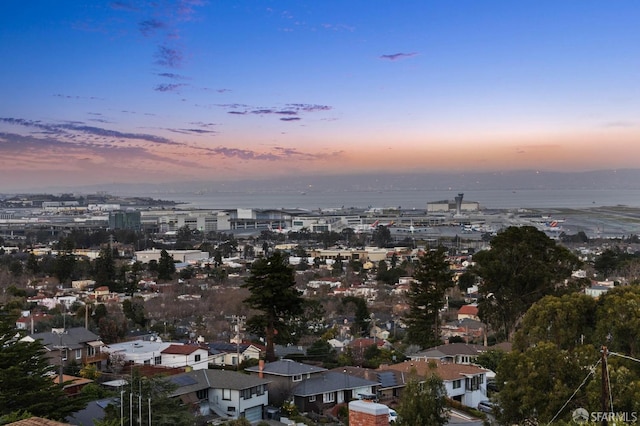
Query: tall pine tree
(432, 278)
(273, 293)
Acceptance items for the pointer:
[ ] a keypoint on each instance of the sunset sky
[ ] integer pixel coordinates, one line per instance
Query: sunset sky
(181, 90)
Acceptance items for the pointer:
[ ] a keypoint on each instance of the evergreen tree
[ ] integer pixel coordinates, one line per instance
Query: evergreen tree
(65, 261)
(134, 310)
(362, 315)
(273, 293)
(166, 266)
(32, 264)
(432, 278)
(27, 380)
(105, 269)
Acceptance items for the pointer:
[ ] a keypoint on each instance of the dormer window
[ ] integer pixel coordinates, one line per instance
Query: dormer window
(297, 378)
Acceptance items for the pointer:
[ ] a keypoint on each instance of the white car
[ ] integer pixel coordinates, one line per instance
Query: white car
(393, 416)
(485, 407)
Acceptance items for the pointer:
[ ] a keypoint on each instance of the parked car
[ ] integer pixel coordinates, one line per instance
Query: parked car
(485, 406)
(393, 416)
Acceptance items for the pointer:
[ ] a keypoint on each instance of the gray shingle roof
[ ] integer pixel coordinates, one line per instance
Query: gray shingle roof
(330, 382)
(286, 367)
(216, 379)
(73, 338)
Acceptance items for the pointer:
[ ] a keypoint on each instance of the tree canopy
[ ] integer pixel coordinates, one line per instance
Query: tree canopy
(423, 403)
(274, 295)
(566, 321)
(559, 345)
(522, 266)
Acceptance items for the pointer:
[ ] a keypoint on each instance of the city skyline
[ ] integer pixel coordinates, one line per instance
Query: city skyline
(185, 90)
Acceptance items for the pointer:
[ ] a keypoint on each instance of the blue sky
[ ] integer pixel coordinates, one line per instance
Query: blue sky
(178, 90)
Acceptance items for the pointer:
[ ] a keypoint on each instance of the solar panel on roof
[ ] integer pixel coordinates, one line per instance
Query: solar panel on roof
(387, 379)
(183, 380)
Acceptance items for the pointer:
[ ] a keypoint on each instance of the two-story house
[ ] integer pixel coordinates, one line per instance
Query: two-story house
(464, 383)
(72, 345)
(284, 375)
(228, 394)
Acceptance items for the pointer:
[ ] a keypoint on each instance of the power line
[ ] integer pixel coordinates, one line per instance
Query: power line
(592, 370)
(625, 356)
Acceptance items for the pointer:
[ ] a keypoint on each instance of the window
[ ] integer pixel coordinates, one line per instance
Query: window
(260, 389)
(91, 351)
(297, 378)
(226, 394)
(198, 357)
(202, 394)
(157, 360)
(312, 398)
(457, 384)
(328, 397)
(473, 383)
(63, 354)
(78, 353)
(147, 362)
(245, 394)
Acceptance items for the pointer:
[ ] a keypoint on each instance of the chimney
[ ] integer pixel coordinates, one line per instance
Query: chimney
(261, 368)
(367, 413)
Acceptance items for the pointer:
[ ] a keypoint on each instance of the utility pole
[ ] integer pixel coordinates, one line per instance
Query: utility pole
(60, 332)
(238, 322)
(604, 396)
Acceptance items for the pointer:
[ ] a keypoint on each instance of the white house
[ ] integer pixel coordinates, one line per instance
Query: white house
(178, 355)
(226, 393)
(223, 353)
(157, 352)
(464, 383)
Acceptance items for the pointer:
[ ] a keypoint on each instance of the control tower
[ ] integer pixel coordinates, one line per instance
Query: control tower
(459, 204)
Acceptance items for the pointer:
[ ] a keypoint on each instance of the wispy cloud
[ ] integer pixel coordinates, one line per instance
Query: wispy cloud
(193, 131)
(171, 75)
(398, 56)
(68, 130)
(168, 87)
(150, 26)
(291, 110)
(168, 57)
(185, 9)
(60, 95)
(123, 5)
(619, 124)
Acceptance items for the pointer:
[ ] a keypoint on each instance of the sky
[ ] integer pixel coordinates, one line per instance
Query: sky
(181, 90)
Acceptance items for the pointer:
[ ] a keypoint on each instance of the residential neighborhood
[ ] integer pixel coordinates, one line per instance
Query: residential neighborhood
(199, 327)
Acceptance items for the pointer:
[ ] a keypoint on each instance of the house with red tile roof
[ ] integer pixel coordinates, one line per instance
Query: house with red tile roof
(193, 356)
(468, 311)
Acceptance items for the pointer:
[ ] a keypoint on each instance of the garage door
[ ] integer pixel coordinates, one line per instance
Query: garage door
(253, 414)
